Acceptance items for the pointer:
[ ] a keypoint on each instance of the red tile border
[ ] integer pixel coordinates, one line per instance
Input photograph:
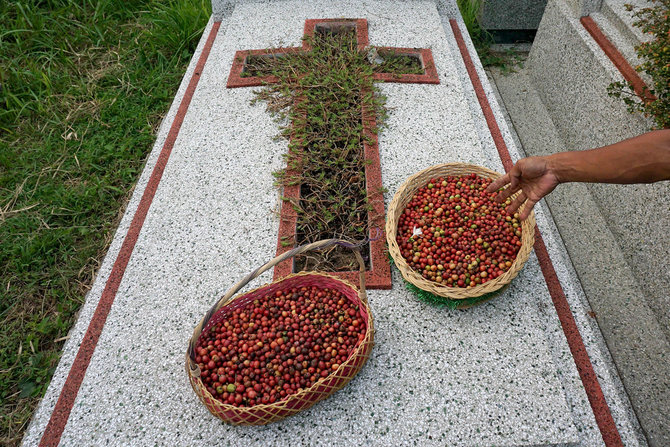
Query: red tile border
(379, 275)
(594, 392)
(61, 412)
(361, 29)
(620, 62)
(426, 57)
(235, 79)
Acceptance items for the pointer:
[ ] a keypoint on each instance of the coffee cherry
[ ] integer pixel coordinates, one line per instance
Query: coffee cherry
(276, 346)
(454, 233)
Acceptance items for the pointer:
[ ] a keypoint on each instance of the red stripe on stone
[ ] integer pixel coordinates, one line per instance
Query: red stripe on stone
(594, 392)
(618, 60)
(61, 413)
(483, 100)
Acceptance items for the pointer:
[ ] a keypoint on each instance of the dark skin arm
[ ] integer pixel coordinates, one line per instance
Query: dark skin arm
(642, 159)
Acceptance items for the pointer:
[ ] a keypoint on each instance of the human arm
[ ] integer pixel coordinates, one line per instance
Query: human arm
(642, 159)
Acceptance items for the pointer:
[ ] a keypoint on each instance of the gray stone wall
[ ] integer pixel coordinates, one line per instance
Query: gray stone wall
(571, 74)
(512, 14)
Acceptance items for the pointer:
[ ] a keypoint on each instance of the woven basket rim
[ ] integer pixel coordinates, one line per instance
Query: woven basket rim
(343, 281)
(404, 194)
(362, 348)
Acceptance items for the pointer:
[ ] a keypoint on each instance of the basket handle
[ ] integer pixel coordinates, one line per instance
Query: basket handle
(289, 254)
(294, 252)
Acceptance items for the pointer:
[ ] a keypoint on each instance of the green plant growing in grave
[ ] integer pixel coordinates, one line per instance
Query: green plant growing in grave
(83, 88)
(470, 10)
(655, 56)
(482, 39)
(319, 98)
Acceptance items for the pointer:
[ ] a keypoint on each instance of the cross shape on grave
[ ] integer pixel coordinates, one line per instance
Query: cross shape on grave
(379, 275)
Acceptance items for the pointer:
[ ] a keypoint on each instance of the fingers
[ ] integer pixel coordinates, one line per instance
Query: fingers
(506, 193)
(498, 183)
(516, 203)
(513, 177)
(527, 209)
(513, 180)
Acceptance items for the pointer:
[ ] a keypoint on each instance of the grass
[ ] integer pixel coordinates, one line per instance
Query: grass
(319, 96)
(84, 85)
(441, 301)
(482, 39)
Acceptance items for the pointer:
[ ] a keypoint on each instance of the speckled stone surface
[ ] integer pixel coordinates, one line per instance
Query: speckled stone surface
(617, 24)
(616, 12)
(618, 39)
(595, 345)
(571, 74)
(583, 7)
(498, 374)
(613, 290)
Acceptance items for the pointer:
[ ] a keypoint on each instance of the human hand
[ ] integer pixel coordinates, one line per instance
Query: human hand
(533, 177)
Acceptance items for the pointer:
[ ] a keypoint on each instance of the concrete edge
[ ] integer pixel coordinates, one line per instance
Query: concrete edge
(626, 46)
(623, 21)
(625, 319)
(561, 43)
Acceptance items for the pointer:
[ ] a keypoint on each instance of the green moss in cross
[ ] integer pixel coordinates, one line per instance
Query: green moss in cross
(320, 95)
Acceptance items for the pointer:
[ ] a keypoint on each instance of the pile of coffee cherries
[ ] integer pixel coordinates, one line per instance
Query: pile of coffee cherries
(454, 233)
(278, 345)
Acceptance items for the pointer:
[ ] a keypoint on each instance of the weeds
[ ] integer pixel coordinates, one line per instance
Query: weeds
(396, 63)
(482, 39)
(84, 85)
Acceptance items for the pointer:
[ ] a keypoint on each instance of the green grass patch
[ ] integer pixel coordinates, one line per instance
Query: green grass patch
(84, 85)
(442, 301)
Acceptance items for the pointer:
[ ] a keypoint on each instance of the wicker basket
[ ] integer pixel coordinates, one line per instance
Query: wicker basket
(265, 413)
(400, 201)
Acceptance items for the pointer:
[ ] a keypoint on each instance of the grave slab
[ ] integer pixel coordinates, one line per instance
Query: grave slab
(498, 374)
